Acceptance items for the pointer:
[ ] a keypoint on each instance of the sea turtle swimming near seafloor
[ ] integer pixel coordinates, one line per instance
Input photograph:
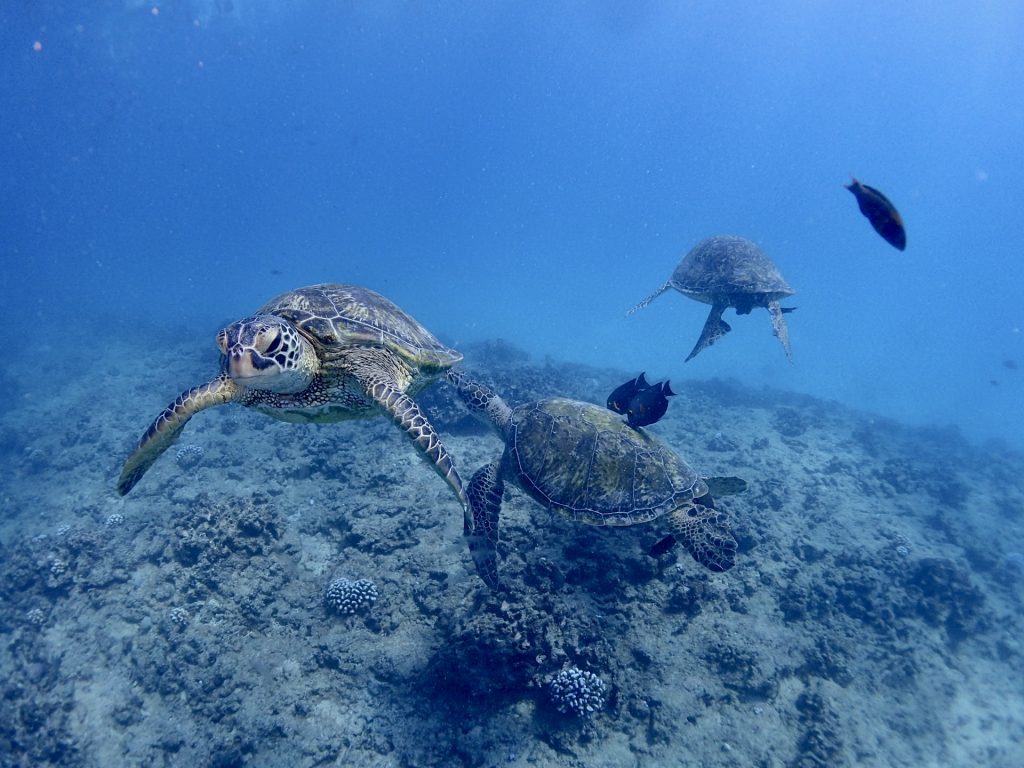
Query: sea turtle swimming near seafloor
(318, 354)
(586, 463)
(728, 271)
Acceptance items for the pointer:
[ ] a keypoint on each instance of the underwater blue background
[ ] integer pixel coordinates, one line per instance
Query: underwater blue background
(530, 171)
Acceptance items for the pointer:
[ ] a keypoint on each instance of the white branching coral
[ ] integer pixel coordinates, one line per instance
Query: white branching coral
(577, 691)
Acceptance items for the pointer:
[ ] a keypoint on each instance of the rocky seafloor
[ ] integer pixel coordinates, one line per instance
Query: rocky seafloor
(874, 615)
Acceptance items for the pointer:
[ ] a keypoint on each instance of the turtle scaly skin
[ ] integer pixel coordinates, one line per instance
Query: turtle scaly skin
(319, 354)
(583, 462)
(728, 271)
(168, 425)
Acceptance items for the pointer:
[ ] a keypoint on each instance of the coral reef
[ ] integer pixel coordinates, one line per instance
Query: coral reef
(213, 529)
(189, 456)
(873, 615)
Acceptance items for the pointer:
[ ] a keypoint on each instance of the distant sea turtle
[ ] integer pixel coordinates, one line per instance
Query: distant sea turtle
(587, 464)
(318, 354)
(729, 271)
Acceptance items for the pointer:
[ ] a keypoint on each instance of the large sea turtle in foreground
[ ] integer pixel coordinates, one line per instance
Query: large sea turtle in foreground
(318, 354)
(587, 464)
(729, 271)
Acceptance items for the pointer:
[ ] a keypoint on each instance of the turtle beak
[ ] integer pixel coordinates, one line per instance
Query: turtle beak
(244, 364)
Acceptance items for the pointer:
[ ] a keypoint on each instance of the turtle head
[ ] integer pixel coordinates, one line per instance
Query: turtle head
(268, 353)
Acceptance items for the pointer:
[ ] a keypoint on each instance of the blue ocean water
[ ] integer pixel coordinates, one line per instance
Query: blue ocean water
(530, 171)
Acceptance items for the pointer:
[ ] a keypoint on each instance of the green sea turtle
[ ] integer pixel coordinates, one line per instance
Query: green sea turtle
(728, 271)
(587, 464)
(318, 354)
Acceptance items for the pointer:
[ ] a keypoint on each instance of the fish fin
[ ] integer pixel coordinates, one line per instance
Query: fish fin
(641, 382)
(666, 390)
(880, 196)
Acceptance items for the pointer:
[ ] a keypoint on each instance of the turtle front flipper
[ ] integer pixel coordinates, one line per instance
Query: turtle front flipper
(650, 298)
(485, 492)
(168, 425)
(714, 329)
(407, 414)
(779, 327)
(706, 534)
(481, 402)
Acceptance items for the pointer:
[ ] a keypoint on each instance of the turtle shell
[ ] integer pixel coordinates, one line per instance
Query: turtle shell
(726, 265)
(334, 315)
(585, 462)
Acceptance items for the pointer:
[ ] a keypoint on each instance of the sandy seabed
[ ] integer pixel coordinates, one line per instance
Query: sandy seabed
(874, 615)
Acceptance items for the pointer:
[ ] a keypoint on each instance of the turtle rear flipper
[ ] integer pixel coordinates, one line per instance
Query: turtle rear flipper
(706, 535)
(714, 329)
(779, 327)
(405, 412)
(485, 492)
(168, 425)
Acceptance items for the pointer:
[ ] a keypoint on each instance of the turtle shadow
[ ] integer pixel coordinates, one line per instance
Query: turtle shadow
(490, 657)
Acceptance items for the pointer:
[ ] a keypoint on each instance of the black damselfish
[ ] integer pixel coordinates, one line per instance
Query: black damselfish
(621, 396)
(661, 546)
(642, 403)
(881, 213)
(648, 405)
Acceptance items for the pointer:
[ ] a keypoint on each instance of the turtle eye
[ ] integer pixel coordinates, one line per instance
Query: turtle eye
(266, 340)
(273, 346)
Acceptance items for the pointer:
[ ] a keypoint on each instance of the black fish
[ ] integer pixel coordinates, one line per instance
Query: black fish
(648, 405)
(662, 546)
(620, 398)
(881, 213)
